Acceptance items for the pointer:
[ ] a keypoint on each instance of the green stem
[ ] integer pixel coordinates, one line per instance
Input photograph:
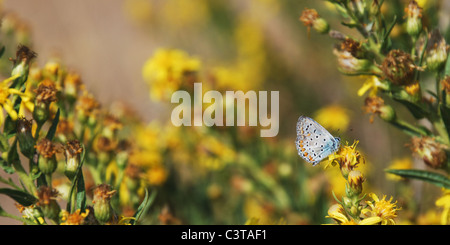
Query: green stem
(408, 128)
(26, 221)
(24, 177)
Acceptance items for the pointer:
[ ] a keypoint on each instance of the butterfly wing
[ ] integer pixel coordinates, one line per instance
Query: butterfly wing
(314, 142)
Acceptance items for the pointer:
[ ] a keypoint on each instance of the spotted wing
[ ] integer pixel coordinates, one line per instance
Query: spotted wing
(314, 142)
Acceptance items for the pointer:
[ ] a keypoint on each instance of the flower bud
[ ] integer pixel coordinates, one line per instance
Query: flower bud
(337, 212)
(47, 159)
(311, 18)
(102, 206)
(72, 152)
(399, 67)
(47, 202)
(45, 94)
(432, 152)
(413, 19)
(437, 51)
(25, 137)
(72, 83)
(355, 181)
(24, 55)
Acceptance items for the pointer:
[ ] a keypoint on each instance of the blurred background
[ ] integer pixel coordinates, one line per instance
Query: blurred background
(108, 42)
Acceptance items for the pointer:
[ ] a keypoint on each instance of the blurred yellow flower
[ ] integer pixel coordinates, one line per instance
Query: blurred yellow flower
(156, 175)
(169, 70)
(399, 163)
(138, 10)
(444, 202)
(185, 14)
(333, 117)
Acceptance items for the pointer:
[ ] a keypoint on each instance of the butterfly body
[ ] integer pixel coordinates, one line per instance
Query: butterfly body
(314, 143)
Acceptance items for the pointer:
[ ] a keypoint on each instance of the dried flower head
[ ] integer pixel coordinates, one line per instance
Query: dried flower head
(375, 106)
(446, 84)
(23, 55)
(432, 152)
(72, 152)
(46, 148)
(46, 92)
(102, 206)
(47, 201)
(311, 18)
(353, 47)
(23, 125)
(399, 67)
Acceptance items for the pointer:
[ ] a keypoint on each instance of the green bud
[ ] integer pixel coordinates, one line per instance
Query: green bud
(102, 203)
(25, 137)
(47, 202)
(72, 152)
(437, 51)
(41, 113)
(414, 19)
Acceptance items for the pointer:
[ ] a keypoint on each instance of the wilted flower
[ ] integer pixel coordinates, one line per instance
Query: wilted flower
(72, 152)
(102, 203)
(432, 152)
(311, 18)
(47, 159)
(375, 105)
(399, 67)
(47, 202)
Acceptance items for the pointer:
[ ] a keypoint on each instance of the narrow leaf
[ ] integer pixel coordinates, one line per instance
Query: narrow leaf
(52, 130)
(430, 177)
(447, 67)
(145, 205)
(445, 114)
(21, 197)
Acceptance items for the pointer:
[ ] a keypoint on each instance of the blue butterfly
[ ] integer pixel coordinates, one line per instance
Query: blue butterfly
(314, 143)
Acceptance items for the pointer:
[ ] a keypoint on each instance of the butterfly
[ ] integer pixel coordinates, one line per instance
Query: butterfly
(314, 143)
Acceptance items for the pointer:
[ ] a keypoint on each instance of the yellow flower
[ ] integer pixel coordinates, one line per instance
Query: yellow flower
(347, 157)
(167, 71)
(444, 202)
(400, 163)
(333, 117)
(373, 84)
(156, 175)
(5, 100)
(337, 212)
(380, 211)
(76, 218)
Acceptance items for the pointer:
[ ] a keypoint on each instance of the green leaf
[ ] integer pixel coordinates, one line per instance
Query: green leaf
(21, 197)
(417, 111)
(447, 67)
(52, 130)
(445, 114)
(2, 51)
(78, 186)
(430, 177)
(145, 205)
